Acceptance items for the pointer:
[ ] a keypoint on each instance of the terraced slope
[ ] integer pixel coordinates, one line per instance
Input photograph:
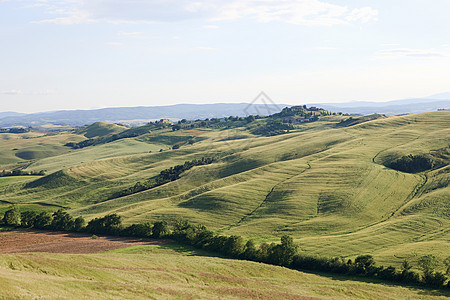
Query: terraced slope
(328, 187)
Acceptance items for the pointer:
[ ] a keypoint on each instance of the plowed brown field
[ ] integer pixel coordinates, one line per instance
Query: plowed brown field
(18, 241)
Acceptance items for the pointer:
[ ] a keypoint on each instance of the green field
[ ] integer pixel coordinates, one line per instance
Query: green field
(326, 186)
(174, 272)
(4, 181)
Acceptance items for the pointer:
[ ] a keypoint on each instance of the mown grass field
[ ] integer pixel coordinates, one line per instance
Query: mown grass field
(176, 272)
(4, 181)
(325, 186)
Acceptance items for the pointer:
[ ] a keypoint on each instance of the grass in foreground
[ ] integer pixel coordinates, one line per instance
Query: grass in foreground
(176, 272)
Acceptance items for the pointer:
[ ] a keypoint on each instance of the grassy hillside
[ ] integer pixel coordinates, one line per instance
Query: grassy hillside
(28, 147)
(4, 181)
(101, 129)
(170, 271)
(328, 186)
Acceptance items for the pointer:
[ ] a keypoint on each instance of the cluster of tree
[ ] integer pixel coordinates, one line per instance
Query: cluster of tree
(234, 246)
(15, 130)
(364, 265)
(283, 254)
(165, 176)
(352, 121)
(216, 123)
(273, 127)
(286, 254)
(59, 220)
(130, 133)
(303, 112)
(412, 163)
(112, 224)
(5, 173)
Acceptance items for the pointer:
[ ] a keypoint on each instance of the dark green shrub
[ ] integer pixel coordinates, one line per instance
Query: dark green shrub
(12, 216)
(412, 163)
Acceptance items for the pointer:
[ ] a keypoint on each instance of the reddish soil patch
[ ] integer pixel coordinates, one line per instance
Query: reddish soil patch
(19, 241)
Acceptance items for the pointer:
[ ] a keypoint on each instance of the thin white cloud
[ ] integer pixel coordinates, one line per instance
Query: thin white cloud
(390, 45)
(202, 48)
(68, 12)
(116, 44)
(45, 93)
(299, 12)
(363, 15)
(325, 48)
(211, 27)
(20, 92)
(11, 92)
(411, 53)
(137, 35)
(130, 34)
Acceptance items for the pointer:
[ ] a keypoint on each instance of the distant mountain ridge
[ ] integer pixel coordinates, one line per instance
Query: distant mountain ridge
(10, 114)
(123, 114)
(135, 115)
(441, 96)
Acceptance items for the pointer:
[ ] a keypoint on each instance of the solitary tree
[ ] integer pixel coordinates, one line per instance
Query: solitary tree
(62, 220)
(43, 220)
(283, 254)
(447, 265)
(160, 229)
(406, 266)
(365, 263)
(250, 250)
(28, 218)
(78, 223)
(12, 216)
(428, 263)
(234, 246)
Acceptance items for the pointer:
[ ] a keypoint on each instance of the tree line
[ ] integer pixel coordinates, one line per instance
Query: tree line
(165, 176)
(273, 126)
(286, 253)
(6, 173)
(130, 133)
(15, 130)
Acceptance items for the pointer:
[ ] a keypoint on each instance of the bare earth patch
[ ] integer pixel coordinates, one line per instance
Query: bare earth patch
(19, 241)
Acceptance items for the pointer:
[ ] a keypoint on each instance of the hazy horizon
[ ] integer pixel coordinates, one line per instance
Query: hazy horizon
(431, 97)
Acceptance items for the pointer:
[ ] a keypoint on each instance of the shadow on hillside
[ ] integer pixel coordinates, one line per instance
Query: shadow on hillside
(188, 250)
(421, 290)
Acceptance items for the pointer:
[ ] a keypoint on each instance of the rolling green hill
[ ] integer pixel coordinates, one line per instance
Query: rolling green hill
(326, 185)
(101, 129)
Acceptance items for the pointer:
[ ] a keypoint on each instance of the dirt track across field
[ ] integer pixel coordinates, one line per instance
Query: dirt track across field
(19, 241)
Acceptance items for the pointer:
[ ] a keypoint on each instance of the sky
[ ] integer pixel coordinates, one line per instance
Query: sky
(86, 54)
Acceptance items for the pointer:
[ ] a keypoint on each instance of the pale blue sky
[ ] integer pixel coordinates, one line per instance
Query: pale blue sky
(81, 54)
